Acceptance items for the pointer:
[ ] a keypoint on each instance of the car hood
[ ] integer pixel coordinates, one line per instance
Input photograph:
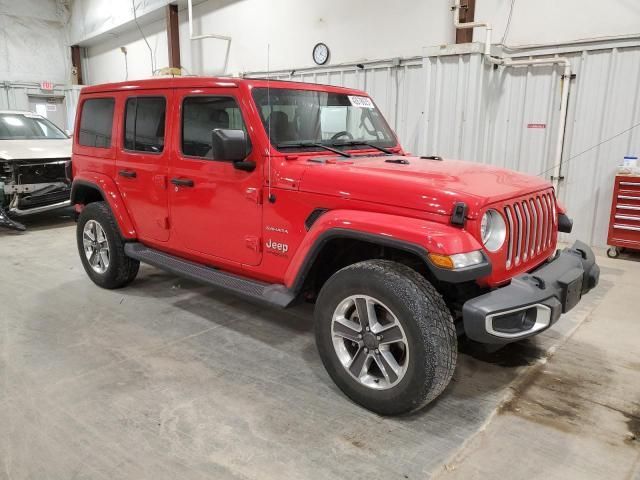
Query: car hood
(418, 183)
(35, 149)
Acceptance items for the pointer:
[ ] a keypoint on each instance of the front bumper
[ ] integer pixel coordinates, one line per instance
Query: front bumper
(534, 301)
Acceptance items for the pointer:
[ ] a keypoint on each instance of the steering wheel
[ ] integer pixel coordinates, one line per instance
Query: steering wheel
(343, 133)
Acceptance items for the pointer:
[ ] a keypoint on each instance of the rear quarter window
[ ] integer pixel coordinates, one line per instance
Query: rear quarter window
(96, 122)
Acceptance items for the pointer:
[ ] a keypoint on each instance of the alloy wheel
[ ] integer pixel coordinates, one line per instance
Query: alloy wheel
(96, 246)
(370, 342)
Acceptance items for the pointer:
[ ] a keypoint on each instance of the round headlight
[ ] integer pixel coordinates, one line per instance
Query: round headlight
(493, 230)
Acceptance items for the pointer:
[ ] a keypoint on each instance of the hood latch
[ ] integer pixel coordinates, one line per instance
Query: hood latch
(458, 217)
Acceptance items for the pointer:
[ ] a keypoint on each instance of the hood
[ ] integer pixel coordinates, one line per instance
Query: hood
(422, 184)
(35, 149)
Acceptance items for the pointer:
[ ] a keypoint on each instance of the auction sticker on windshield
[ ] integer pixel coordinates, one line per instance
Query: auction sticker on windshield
(361, 102)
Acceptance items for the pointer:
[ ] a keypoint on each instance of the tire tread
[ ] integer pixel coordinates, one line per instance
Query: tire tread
(126, 268)
(436, 326)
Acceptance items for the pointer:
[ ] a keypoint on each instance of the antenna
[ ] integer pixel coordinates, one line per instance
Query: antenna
(271, 197)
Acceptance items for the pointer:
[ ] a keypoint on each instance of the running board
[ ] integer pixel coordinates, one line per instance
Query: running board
(273, 294)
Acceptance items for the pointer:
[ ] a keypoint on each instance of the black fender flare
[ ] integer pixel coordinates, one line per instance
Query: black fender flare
(441, 274)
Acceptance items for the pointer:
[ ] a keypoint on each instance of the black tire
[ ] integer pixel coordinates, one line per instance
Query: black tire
(122, 270)
(427, 323)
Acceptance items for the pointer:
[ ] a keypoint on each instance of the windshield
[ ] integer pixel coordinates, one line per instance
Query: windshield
(298, 119)
(18, 126)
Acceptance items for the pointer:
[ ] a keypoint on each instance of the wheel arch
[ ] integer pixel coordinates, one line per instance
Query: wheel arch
(84, 193)
(96, 187)
(354, 246)
(370, 235)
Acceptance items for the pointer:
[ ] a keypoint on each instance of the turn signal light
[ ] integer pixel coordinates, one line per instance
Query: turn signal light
(456, 261)
(442, 261)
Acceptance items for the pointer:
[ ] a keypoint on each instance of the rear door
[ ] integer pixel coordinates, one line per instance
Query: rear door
(219, 212)
(142, 161)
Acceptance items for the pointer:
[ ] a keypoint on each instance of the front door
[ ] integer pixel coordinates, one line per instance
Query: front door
(142, 162)
(215, 208)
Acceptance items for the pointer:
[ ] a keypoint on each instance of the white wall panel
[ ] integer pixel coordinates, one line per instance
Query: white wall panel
(91, 19)
(106, 61)
(536, 22)
(33, 41)
(456, 106)
(606, 102)
(355, 30)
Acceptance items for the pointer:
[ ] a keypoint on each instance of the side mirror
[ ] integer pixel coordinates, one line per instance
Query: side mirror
(228, 144)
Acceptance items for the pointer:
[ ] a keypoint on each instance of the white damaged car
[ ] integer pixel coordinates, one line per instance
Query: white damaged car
(35, 166)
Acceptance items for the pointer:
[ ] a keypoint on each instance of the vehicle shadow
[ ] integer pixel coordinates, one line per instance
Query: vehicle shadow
(481, 371)
(54, 219)
(480, 382)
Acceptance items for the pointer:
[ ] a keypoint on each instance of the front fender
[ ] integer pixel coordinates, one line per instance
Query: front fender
(110, 194)
(412, 234)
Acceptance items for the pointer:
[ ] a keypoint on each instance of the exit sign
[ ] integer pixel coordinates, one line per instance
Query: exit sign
(46, 85)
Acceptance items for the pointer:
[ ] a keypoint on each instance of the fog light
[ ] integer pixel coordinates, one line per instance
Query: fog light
(519, 322)
(515, 322)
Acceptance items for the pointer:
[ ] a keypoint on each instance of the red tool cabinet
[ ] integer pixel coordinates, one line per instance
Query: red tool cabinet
(624, 223)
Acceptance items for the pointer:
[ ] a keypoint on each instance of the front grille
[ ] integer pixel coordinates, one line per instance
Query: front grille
(531, 225)
(28, 202)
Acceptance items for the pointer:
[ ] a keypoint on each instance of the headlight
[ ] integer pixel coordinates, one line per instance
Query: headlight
(493, 230)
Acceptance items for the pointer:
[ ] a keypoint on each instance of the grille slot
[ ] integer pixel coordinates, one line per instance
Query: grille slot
(507, 211)
(547, 226)
(541, 225)
(551, 208)
(516, 208)
(527, 234)
(534, 227)
(530, 227)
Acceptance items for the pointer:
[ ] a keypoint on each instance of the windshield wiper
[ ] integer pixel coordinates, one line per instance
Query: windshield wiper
(311, 144)
(367, 144)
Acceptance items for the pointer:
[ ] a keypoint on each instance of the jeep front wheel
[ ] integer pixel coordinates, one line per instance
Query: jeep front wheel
(385, 336)
(101, 248)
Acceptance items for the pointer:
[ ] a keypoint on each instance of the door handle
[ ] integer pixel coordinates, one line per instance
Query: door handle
(127, 173)
(182, 182)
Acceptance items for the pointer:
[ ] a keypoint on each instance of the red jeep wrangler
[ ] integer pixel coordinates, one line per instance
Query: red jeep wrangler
(286, 191)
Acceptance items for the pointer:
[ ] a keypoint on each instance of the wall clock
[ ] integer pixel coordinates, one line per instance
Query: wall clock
(321, 54)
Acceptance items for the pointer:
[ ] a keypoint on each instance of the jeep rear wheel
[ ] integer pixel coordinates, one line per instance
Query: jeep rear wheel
(385, 336)
(101, 248)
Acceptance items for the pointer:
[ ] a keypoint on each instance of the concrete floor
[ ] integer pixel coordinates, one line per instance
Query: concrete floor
(169, 379)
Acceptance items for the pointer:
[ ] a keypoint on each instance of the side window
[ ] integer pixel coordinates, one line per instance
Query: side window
(96, 120)
(144, 121)
(200, 116)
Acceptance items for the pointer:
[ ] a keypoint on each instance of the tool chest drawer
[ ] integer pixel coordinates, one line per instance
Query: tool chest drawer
(624, 223)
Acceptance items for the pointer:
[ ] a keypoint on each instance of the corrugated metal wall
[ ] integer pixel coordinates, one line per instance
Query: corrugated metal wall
(451, 103)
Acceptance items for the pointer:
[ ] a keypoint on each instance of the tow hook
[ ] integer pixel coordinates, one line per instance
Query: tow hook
(537, 281)
(540, 282)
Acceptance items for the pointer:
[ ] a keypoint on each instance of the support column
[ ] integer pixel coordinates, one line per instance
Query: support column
(76, 62)
(173, 37)
(467, 14)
